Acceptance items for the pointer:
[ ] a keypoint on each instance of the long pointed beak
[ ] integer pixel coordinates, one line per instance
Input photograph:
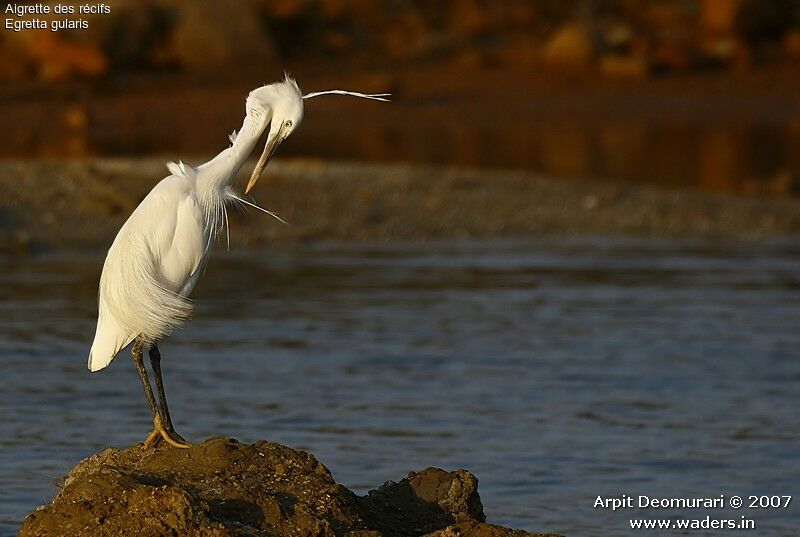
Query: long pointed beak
(269, 149)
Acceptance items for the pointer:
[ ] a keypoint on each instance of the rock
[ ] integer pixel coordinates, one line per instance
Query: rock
(791, 44)
(570, 47)
(223, 488)
(671, 56)
(718, 16)
(14, 242)
(57, 59)
(287, 9)
(131, 35)
(220, 34)
(716, 30)
(469, 17)
(433, 498)
(624, 66)
(13, 65)
(761, 24)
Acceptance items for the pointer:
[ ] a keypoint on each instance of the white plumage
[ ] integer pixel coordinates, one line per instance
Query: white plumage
(161, 250)
(151, 268)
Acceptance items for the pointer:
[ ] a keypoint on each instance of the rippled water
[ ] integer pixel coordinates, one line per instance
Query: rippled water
(557, 370)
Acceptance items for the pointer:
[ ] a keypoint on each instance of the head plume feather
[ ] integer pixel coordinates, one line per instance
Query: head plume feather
(373, 96)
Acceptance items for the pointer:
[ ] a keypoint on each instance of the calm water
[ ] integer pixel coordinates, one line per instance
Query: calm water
(556, 370)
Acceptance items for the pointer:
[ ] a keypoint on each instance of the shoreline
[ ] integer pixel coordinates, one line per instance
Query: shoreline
(70, 204)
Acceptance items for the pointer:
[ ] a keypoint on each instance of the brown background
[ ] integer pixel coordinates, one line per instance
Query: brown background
(701, 92)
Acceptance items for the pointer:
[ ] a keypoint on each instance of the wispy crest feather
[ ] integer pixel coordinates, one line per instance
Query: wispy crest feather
(373, 96)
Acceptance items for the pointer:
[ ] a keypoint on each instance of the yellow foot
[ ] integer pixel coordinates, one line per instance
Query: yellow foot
(159, 432)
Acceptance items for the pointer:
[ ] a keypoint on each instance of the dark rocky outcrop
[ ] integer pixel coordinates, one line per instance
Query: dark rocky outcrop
(224, 488)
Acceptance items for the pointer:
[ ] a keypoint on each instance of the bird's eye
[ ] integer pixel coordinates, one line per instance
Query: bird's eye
(288, 123)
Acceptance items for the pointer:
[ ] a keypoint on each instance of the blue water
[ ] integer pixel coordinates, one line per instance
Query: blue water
(556, 370)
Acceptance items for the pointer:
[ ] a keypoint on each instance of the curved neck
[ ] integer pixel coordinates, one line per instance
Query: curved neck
(217, 174)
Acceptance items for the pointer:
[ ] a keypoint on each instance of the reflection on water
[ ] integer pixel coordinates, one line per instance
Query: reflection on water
(556, 370)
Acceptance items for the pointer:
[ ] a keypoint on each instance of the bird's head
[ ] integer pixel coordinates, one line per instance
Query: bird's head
(281, 106)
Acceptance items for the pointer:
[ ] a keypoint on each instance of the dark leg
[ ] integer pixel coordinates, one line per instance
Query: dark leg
(138, 360)
(159, 431)
(155, 362)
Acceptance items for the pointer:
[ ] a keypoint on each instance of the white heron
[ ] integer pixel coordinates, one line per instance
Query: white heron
(160, 252)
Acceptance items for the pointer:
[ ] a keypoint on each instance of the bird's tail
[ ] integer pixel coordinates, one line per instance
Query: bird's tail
(108, 340)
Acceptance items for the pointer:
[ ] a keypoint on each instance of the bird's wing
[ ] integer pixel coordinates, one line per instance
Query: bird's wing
(157, 251)
(179, 238)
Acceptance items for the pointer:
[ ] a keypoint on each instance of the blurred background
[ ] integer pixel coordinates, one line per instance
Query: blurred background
(688, 92)
(563, 257)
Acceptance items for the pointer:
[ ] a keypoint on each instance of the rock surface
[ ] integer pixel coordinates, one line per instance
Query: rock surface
(225, 488)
